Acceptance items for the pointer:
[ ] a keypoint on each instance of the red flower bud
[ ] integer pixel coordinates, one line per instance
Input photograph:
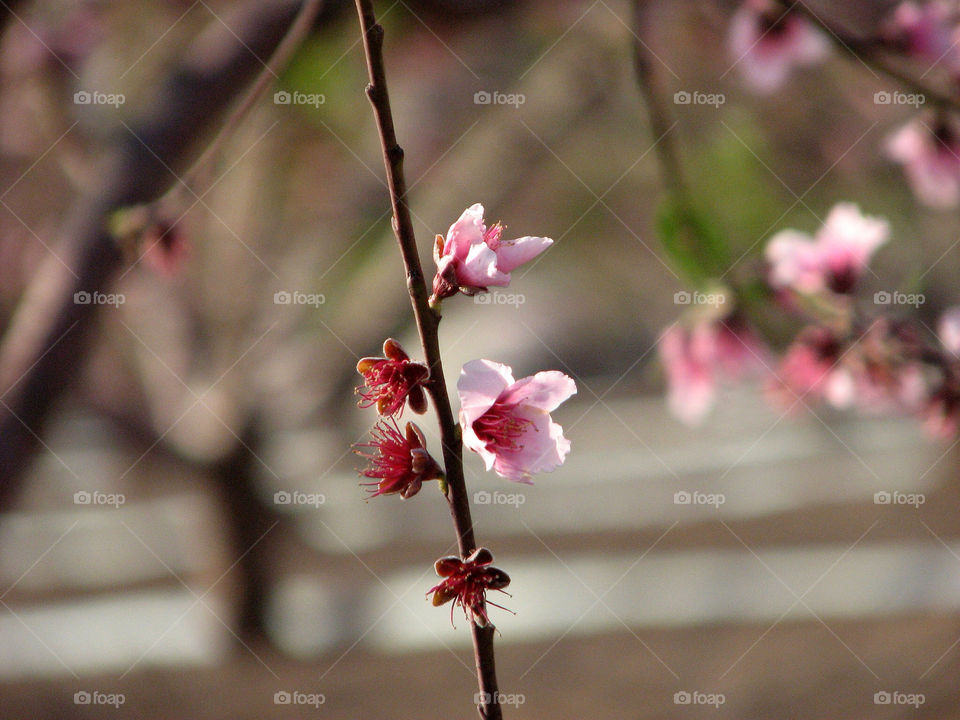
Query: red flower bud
(400, 463)
(392, 381)
(466, 583)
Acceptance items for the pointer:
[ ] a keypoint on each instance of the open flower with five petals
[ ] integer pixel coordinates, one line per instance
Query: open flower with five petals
(508, 422)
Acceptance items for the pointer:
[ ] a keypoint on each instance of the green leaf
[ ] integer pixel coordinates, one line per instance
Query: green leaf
(692, 242)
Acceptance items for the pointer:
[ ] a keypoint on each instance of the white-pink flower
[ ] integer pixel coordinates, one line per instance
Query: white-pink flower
(697, 358)
(473, 257)
(833, 259)
(508, 422)
(768, 42)
(931, 161)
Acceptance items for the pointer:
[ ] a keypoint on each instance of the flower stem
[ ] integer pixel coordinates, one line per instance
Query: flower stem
(427, 320)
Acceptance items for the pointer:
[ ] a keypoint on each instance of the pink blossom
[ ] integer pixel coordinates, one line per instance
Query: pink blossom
(834, 259)
(809, 367)
(508, 422)
(927, 32)
(768, 42)
(697, 358)
(931, 161)
(473, 257)
(873, 371)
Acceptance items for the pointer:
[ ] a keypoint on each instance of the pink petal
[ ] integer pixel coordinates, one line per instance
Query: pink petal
(544, 391)
(690, 395)
(544, 449)
(465, 233)
(690, 383)
(846, 230)
(472, 442)
(479, 268)
(479, 386)
(513, 253)
(791, 256)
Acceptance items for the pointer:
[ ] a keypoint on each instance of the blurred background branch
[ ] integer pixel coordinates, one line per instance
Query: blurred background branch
(47, 338)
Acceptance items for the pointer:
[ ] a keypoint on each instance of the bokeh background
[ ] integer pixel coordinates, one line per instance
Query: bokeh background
(201, 397)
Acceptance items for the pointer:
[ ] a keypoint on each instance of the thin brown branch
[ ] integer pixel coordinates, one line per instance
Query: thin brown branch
(301, 26)
(661, 124)
(427, 323)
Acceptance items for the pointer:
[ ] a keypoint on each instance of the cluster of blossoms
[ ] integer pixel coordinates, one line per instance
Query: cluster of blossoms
(769, 40)
(505, 421)
(845, 352)
(842, 354)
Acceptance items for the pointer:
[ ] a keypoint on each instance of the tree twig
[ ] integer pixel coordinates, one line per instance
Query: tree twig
(197, 174)
(427, 323)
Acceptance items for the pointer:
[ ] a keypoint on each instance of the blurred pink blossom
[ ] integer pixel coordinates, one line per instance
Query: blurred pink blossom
(697, 358)
(874, 371)
(809, 367)
(768, 42)
(508, 422)
(931, 160)
(927, 31)
(833, 259)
